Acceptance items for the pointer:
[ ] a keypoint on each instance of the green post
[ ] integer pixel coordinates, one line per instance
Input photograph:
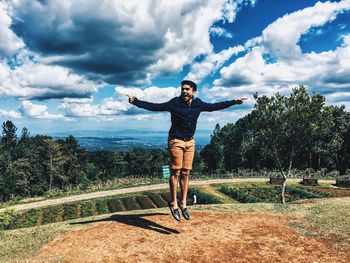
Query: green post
(166, 171)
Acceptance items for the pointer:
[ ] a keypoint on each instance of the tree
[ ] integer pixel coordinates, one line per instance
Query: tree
(76, 159)
(290, 127)
(212, 152)
(54, 161)
(9, 138)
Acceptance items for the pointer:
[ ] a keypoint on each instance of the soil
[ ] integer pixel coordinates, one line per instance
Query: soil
(337, 192)
(207, 237)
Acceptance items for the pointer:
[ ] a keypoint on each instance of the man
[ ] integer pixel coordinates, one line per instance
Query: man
(184, 111)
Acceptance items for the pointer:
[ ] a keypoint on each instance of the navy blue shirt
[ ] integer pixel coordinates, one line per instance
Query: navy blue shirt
(183, 116)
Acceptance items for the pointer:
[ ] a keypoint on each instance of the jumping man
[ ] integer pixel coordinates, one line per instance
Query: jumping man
(184, 111)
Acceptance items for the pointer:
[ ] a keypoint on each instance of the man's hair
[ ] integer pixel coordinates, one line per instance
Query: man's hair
(190, 83)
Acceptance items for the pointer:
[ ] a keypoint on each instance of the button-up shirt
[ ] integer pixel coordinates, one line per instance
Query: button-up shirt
(183, 116)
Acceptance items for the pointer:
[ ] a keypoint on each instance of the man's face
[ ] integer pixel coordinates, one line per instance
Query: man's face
(187, 92)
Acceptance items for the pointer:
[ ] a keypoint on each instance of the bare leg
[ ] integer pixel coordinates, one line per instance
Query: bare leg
(184, 178)
(173, 181)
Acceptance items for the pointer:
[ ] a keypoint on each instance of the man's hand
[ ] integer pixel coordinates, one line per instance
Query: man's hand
(131, 98)
(241, 100)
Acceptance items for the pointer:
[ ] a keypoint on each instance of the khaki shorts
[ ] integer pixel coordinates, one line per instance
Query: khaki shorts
(181, 153)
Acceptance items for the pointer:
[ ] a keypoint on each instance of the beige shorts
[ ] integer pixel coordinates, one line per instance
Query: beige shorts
(181, 153)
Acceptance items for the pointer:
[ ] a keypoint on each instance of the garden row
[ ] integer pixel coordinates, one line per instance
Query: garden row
(9, 219)
(254, 193)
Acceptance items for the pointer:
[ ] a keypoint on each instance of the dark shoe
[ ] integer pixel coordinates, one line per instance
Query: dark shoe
(184, 211)
(174, 212)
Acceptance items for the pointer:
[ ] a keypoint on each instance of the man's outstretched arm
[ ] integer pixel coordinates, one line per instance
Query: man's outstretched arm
(221, 105)
(166, 106)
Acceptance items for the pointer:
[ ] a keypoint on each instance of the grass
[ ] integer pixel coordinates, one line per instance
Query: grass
(327, 216)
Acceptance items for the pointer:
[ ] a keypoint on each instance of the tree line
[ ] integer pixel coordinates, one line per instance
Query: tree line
(35, 165)
(283, 133)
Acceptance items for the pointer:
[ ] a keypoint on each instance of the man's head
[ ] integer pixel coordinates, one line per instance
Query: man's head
(188, 90)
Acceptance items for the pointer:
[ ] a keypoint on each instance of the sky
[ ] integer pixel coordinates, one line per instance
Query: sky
(66, 65)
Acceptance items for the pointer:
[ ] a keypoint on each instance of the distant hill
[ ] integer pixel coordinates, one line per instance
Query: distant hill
(94, 140)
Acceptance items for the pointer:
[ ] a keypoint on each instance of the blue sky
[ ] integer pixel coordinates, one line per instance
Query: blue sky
(65, 65)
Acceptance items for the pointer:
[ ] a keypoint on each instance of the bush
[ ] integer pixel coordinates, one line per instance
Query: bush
(315, 191)
(52, 214)
(203, 197)
(87, 208)
(252, 193)
(145, 202)
(7, 218)
(158, 200)
(130, 203)
(102, 207)
(31, 218)
(115, 205)
(70, 211)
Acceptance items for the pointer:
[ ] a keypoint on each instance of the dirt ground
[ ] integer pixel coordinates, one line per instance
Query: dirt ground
(208, 237)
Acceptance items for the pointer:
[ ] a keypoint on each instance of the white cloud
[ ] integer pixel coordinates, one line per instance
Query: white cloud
(9, 43)
(220, 32)
(275, 62)
(11, 114)
(120, 42)
(211, 63)
(38, 111)
(118, 105)
(152, 94)
(231, 8)
(281, 37)
(34, 80)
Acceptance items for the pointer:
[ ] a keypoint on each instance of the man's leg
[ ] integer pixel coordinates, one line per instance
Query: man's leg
(184, 177)
(185, 174)
(173, 182)
(176, 150)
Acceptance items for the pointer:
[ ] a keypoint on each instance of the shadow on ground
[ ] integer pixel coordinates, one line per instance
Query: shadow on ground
(137, 220)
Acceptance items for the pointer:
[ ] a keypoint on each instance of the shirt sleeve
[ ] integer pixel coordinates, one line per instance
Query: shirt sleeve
(166, 106)
(217, 106)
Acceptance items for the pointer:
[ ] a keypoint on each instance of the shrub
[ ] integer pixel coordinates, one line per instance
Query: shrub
(70, 211)
(7, 218)
(31, 218)
(145, 202)
(252, 193)
(52, 214)
(158, 200)
(203, 197)
(315, 191)
(87, 208)
(115, 205)
(102, 207)
(130, 203)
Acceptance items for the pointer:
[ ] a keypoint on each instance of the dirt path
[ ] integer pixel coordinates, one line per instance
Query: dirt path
(139, 189)
(208, 237)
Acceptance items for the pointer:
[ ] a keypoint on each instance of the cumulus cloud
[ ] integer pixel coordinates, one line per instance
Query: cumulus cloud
(118, 105)
(11, 114)
(10, 42)
(119, 42)
(281, 37)
(231, 8)
(37, 111)
(211, 63)
(35, 80)
(275, 62)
